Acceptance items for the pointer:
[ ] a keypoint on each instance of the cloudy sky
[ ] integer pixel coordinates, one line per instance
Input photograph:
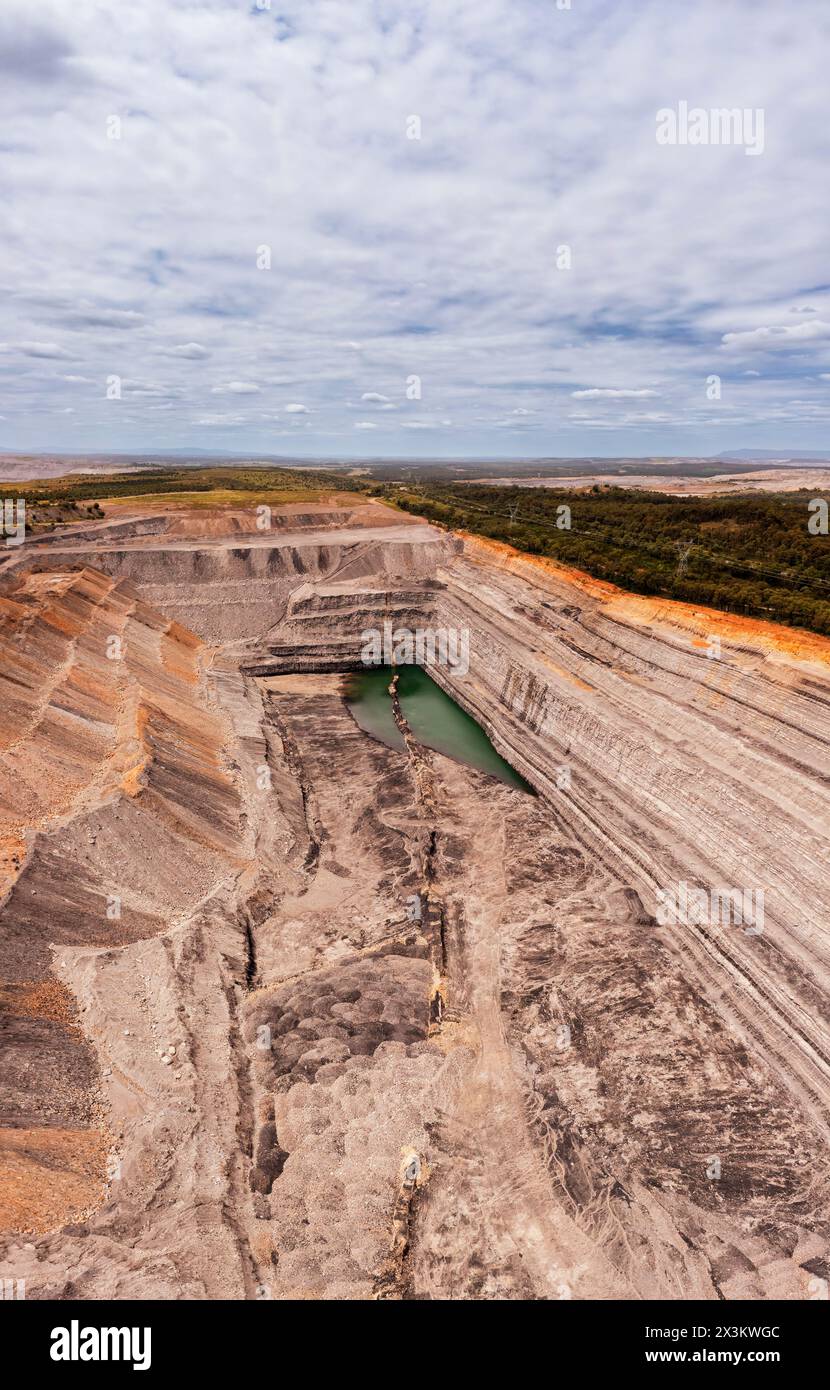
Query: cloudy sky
(477, 244)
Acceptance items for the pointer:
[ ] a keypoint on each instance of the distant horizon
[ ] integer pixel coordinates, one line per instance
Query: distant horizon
(727, 455)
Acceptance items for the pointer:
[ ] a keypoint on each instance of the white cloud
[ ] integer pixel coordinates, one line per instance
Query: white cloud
(379, 401)
(296, 409)
(779, 335)
(193, 352)
(365, 425)
(88, 315)
(49, 350)
(612, 394)
(143, 388)
(433, 258)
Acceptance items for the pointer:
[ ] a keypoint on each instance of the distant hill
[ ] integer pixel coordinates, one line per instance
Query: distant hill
(780, 456)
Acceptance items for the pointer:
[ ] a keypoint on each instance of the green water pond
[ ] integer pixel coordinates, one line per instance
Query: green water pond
(434, 718)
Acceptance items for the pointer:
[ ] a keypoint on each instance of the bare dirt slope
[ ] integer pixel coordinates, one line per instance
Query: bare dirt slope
(369, 1024)
(686, 484)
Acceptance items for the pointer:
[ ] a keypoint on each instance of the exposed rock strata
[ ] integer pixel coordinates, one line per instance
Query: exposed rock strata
(118, 818)
(429, 1040)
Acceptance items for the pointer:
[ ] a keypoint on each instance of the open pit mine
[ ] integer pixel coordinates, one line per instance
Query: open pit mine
(289, 1011)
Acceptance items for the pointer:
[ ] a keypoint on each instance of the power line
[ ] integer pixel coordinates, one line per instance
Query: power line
(723, 561)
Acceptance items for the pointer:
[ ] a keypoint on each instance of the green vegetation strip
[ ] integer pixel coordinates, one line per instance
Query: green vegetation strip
(750, 554)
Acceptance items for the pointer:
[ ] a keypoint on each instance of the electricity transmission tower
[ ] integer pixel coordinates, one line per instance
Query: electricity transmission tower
(683, 548)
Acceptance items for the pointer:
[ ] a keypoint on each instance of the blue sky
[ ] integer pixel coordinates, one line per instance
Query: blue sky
(391, 258)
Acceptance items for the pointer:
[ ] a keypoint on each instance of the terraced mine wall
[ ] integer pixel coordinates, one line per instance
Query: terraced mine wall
(118, 818)
(668, 765)
(679, 767)
(230, 592)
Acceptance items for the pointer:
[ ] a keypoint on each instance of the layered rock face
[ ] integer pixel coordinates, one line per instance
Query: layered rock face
(326, 627)
(118, 818)
(228, 577)
(693, 752)
(371, 1024)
